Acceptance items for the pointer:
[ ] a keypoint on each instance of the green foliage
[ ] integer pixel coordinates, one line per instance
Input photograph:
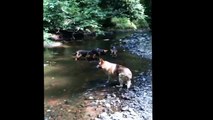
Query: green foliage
(123, 23)
(135, 10)
(148, 5)
(91, 14)
(60, 14)
(47, 41)
(132, 9)
(141, 23)
(46, 35)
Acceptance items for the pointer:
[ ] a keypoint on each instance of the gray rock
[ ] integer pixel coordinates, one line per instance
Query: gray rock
(113, 95)
(132, 112)
(104, 116)
(117, 116)
(107, 105)
(93, 103)
(125, 108)
(48, 110)
(66, 102)
(90, 98)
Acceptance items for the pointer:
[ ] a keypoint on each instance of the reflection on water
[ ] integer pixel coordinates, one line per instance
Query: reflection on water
(65, 77)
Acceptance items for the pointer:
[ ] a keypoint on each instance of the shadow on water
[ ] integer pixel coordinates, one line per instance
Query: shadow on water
(65, 77)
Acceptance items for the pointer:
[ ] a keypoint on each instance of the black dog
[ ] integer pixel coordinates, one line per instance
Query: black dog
(113, 51)
(89, 54)
(98, 52)
(81, 54)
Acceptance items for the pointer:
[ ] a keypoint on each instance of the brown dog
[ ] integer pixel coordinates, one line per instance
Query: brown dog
(124, 74)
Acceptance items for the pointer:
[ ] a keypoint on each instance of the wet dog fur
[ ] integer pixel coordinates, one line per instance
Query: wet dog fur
(89, 54)
(123, 73)
(113, 51)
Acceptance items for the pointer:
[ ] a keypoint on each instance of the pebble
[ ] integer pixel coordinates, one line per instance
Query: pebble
(48, 110)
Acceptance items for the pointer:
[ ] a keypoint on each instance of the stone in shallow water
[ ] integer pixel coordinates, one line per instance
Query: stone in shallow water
(132, 112)
(104, 116)
(113, 95)
(107, 105)
(48, 110)
(90, 98)
(125, 108)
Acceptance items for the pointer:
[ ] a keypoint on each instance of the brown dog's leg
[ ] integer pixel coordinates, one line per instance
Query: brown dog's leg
(109, 77)
(128, 84)
(120, 81)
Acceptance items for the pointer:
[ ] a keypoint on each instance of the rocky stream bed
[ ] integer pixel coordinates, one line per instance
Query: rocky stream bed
(106, 102)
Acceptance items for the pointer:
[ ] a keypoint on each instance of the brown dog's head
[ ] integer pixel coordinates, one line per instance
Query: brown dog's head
(101, 62)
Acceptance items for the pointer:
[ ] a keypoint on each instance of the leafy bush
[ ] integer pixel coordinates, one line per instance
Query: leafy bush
(123, 9)
(46, 35)
(60, 14)
(68, 14)
(141, 23)
(123, 23)
(92, 14)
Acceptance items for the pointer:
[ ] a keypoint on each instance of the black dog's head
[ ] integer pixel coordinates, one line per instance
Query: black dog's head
(99, 51)
(81, 53)
(113, 51)
(113, 47)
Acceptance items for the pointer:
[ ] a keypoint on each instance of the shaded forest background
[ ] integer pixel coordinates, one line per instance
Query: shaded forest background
(95, 16)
